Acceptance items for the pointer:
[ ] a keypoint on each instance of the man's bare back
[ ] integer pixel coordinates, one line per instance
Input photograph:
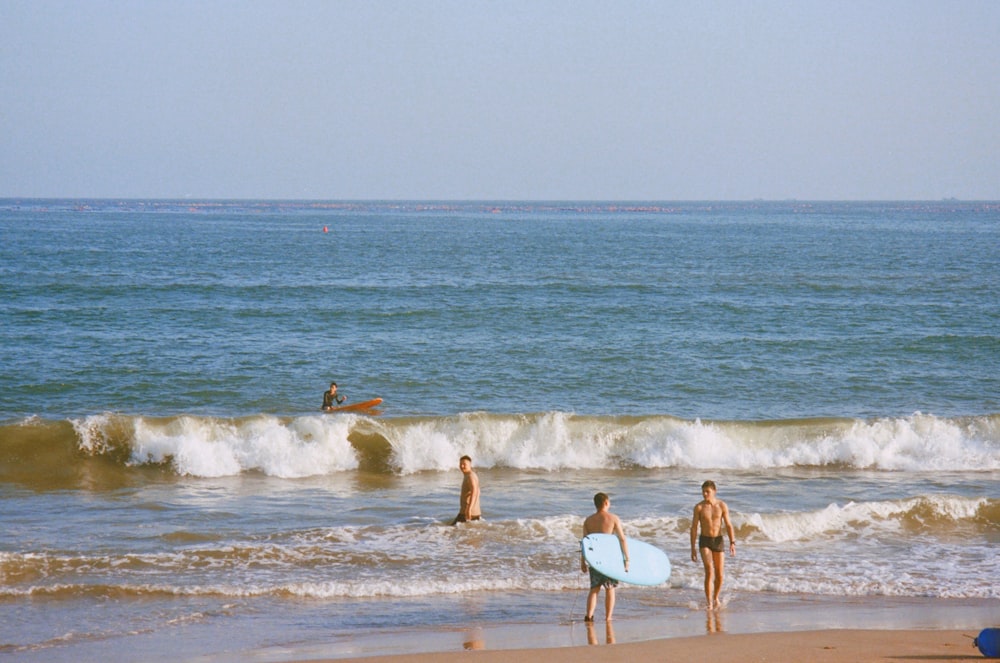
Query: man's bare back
(602, 522)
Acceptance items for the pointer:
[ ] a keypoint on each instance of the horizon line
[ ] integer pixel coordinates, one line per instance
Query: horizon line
(192, 199)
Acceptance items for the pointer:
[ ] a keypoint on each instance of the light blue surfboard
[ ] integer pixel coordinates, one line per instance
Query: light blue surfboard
(647, 565)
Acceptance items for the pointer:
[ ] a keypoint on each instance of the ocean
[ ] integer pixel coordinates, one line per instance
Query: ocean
(170, 490)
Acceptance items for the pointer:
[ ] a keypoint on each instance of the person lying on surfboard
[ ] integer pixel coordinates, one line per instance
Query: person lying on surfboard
(330, 398)
(602, 521)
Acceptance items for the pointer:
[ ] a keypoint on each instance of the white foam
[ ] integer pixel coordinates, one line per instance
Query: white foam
(858, 518)
(209, 447)
(551, 441)
(557, 440)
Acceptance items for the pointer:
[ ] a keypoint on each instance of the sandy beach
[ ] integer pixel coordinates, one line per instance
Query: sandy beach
(833, 646)
(806, 629)
(825, 630)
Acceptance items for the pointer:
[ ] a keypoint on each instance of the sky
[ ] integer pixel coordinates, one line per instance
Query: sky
(504, 100)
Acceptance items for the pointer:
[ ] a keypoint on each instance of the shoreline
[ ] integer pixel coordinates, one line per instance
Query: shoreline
(831, 629)
(831, 646)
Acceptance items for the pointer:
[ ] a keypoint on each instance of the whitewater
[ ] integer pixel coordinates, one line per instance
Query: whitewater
(320, 444)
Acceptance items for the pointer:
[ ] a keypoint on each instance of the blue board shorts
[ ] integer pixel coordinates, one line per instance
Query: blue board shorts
(598, 579)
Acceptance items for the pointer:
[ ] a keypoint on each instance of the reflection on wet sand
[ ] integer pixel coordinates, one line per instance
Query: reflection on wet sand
(713, 621)
(474, 640)
(609, 633)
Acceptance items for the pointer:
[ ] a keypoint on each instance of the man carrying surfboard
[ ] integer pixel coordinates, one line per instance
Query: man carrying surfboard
(710, 514)
(602, 521)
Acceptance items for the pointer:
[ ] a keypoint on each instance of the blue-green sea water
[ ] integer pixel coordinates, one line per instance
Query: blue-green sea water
(166, 475)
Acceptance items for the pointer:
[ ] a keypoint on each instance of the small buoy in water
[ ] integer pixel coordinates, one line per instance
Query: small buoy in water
(988, 642)
(325, 229)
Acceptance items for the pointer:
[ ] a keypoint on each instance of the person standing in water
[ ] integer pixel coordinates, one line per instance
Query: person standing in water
(602, 521)
(468, 504)
(710, 515)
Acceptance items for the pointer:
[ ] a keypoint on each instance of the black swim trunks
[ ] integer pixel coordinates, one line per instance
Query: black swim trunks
(598, 579)
(713, 543)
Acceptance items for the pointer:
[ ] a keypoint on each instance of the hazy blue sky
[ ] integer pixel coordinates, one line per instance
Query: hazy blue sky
(500, 100)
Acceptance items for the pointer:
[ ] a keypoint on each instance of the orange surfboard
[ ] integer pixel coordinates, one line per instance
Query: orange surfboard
(363, 405)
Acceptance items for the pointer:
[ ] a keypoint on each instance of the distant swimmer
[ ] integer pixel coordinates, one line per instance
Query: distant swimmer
(330, 398)
(711, 514)
(469, 500)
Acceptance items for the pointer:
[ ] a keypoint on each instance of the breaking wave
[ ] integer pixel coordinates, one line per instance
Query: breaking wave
(102, 446)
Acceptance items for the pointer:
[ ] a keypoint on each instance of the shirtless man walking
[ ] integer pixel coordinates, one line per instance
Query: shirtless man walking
(602, 522)
(710, 514)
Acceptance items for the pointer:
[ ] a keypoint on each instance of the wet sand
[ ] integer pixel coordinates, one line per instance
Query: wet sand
(832, 646)
(830, 629)
(773, 629)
